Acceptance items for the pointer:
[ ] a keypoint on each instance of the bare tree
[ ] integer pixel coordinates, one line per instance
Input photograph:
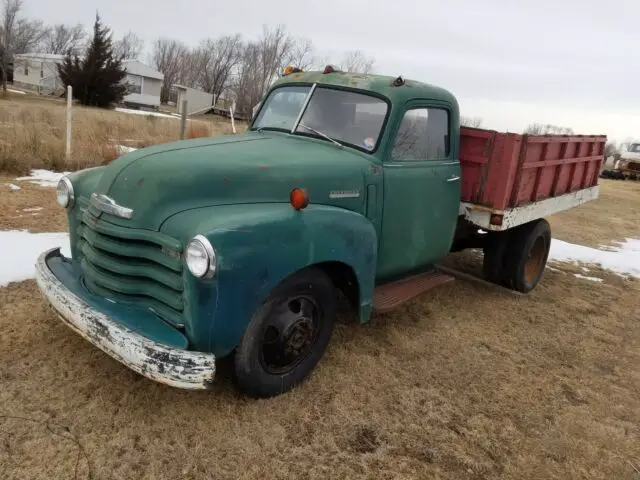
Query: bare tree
(10, 11)
(129, 47)
(27, 35)
(473, 122)
(190, 74)
(357, 62)
(59, 39)
(547, 129)
(610, 149)
(261, 62)
(167, 57)
(248, 88)
(301, 54)
(274, 48)
(215, 60)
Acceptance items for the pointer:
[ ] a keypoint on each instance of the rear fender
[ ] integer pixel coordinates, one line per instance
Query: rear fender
(258, 246)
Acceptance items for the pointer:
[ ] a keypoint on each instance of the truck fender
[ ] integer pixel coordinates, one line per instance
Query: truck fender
(257, 247)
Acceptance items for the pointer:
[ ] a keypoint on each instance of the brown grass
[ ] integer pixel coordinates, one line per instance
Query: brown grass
(32, 133)
(614, 217)
(462, 383)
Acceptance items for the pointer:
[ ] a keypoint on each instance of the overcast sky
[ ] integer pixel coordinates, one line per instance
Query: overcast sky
(572, 63)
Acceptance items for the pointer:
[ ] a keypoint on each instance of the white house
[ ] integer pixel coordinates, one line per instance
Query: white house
(37, 71)
(144, 84)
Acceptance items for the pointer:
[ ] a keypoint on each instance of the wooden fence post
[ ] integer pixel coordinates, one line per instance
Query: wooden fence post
(183, 119)
(231, 112)
(69, 125)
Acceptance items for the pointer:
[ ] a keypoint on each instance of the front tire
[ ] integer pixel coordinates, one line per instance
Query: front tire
(288, 335)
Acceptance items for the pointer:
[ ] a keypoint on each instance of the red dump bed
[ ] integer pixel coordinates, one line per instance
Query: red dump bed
(507, 170)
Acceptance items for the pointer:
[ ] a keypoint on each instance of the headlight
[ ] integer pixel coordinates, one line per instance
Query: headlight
(64, 193)
(200, 257)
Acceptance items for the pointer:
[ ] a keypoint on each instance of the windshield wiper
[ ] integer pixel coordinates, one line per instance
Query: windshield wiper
(324, 135)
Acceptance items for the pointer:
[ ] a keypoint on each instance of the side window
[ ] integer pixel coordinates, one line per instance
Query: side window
(423, 135)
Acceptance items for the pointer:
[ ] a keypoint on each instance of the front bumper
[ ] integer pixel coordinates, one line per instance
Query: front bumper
(160, 362)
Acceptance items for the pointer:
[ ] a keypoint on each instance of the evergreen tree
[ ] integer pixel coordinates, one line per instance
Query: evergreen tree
(96, 79)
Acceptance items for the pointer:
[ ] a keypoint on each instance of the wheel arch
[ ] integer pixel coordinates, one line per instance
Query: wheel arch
(344, 279)
(261, 245)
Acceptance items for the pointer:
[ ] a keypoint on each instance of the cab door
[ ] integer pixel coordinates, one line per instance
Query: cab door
(421, 190)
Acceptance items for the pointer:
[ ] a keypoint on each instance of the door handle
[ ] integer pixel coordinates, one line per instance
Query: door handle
(453, 179)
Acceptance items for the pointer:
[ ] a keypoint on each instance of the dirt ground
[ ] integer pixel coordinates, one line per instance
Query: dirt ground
(466, 382)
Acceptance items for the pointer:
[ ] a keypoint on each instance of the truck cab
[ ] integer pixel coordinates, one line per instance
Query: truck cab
(629, 162)
(191, 251)
(400, 141)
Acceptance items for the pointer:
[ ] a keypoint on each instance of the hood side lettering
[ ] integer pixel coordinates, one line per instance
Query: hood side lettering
(344, 194)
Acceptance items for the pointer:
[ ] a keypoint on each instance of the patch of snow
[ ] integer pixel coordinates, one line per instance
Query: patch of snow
(144, 112)
(44, 178)
(122, 149)
(591, 279)
(19, 251)
(554, 269)
(623, 260)
(13, 187)
(32, 209)
(19, 92)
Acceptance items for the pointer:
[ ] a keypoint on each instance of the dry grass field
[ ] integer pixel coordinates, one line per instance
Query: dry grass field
(33, 132)
(465, 382)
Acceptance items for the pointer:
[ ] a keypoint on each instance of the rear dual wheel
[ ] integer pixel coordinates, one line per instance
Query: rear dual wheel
(516, 258)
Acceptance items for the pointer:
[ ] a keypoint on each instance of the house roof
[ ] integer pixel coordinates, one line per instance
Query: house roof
(41, 56)
(136, 67)
(184, 87)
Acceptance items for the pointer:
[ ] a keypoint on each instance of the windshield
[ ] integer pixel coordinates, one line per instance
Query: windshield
(635, 148)
(345, 117)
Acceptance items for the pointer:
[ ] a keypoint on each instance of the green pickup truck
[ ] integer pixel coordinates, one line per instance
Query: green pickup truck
(191, 251)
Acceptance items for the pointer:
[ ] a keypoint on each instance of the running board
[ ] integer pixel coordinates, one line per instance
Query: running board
(391, 295)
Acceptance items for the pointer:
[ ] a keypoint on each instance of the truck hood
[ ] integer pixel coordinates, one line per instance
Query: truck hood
(630, 156)
(163, 180)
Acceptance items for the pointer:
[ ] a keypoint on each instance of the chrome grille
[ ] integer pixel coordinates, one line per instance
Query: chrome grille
(132, 266)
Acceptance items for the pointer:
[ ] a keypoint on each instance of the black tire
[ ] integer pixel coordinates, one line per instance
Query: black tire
(527, 254)
(266, 361)
(494, 268)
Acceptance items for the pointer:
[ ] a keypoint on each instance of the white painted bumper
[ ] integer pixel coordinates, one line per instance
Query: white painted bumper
(174, 367)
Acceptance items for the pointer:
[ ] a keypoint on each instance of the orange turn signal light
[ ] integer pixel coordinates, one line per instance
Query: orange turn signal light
(289, 69)
(299, 198)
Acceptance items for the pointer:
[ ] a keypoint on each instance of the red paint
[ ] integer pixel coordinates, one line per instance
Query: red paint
(506, 170)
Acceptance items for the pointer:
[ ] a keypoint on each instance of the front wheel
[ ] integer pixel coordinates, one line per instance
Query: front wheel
(287, 336)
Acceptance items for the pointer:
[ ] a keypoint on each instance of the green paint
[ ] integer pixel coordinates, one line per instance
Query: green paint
(370, 213)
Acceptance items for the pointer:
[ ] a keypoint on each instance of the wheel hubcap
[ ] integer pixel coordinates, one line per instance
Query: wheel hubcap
(290, 334)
